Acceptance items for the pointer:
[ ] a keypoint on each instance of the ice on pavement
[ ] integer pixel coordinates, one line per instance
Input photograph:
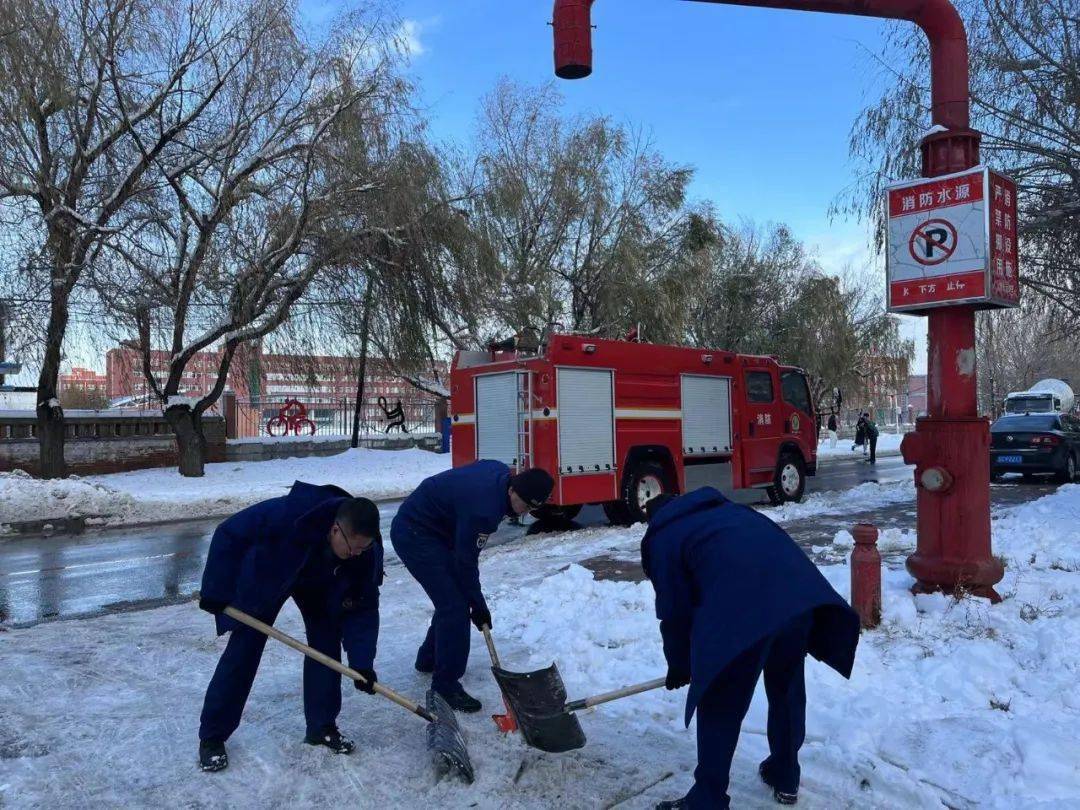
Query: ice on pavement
(163, 494)
(952, 703)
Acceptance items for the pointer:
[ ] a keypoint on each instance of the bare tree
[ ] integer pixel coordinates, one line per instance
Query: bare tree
(584, 223)
(1020, 347)
(763, 293)
(247, 213)
(92, 94)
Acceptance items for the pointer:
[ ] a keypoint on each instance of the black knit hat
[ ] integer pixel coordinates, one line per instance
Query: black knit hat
(533, 486)
(656, 504)
(359, 516)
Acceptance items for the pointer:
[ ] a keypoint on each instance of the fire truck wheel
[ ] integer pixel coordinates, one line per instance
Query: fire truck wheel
(789, 483)
(643, 482)
(556, 514)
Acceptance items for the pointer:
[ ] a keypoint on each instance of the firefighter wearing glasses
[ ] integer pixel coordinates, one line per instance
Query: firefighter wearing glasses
(321, 547)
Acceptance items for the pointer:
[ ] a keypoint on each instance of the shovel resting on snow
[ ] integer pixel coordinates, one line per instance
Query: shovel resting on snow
(444, 736)
(536, 704)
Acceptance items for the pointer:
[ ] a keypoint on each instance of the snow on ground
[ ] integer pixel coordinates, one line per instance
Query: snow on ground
(163, 494)
(952, 704)
(886, 443)
(862, 498)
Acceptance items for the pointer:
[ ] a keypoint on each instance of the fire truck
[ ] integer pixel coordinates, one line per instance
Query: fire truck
(618, 422)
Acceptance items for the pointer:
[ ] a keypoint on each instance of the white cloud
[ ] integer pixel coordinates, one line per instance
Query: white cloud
(408, 38)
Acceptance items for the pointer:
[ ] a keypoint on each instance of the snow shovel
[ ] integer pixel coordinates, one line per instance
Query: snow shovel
(444, 738)
(546, 718)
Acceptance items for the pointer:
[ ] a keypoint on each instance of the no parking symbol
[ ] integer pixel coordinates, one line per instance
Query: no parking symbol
(932, 242)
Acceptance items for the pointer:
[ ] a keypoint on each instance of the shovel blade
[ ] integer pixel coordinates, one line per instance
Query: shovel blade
(446, 742)
(537, 700)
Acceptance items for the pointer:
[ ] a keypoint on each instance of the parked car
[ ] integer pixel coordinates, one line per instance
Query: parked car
(1034, 444)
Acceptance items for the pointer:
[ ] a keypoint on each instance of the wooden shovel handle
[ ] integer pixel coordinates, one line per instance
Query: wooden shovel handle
(491, 647)
(327, 661)
(626, 691)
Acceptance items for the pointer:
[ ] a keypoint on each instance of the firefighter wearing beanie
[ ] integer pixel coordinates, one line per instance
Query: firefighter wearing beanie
(438, 533)
(321, 547)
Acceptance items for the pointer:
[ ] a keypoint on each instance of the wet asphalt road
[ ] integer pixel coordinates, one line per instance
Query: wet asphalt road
(65, 576)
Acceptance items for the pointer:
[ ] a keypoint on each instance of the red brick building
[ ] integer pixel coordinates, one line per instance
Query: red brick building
(84, 380)
(255, 375)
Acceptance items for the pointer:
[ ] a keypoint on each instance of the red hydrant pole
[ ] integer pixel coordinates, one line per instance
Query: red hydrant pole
(866, 574)
(950, 447)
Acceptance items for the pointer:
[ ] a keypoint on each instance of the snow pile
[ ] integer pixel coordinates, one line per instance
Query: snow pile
(23, 498)
(1043, 534)
(163, 494)
(610, 638)
(886, 443)
(862, 498)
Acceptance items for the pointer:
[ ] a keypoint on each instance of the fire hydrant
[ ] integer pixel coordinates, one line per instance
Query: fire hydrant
(866, 575)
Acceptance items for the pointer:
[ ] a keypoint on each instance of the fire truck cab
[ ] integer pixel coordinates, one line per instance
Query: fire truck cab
(617, 422)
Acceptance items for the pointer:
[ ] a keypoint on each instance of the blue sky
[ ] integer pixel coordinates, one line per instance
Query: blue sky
(759, 101)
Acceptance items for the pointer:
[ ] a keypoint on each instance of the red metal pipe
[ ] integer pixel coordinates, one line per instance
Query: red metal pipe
(938, 19)
(953, 521)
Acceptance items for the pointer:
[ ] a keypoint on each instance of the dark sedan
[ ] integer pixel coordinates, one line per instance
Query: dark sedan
(1034, 444)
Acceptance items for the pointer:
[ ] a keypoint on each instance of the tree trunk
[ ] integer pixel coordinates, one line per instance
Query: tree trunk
(362, 371)
(50, 415)
(190, 442)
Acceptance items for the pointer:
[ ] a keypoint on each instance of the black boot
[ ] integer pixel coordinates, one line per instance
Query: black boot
(673, 804)
(780, 796)
(332, 739)
(458, 699)
(212, 756)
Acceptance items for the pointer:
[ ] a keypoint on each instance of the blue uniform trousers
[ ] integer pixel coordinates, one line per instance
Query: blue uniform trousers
(231, 683)
(446, 646)
(724, 705)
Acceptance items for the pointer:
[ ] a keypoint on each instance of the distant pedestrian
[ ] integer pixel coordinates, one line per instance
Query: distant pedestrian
(832, 431)
(860, 436)
(870, 434)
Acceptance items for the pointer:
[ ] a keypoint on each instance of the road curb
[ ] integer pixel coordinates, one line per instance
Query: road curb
(80, 524)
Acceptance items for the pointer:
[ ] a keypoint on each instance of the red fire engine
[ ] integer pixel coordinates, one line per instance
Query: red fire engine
(617, 422)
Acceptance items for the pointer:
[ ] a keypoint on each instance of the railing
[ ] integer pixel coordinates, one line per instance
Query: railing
(281, 416)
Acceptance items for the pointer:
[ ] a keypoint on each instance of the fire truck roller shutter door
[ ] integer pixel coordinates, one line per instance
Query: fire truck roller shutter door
(706, 415)
(496, 418)
(586, 421)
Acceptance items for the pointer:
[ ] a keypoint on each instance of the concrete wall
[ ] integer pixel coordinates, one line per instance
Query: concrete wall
(290, 447)
(103, 441)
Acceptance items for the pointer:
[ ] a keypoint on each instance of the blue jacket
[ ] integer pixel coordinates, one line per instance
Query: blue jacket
(258, 555)
(727, 577)
(458, 509)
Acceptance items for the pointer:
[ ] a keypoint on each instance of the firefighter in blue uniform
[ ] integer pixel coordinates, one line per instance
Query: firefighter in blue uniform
(322, 547)
(736, 597)
(438, 533)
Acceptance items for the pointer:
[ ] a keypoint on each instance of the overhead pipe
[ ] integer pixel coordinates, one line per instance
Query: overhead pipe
(938, 19)
(953, 522)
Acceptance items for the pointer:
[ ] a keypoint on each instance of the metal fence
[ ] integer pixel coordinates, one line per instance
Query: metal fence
(312, 416)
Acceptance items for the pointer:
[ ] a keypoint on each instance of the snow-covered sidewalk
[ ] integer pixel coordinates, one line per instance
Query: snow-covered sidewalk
(887, 444)
(952, 703)
(163, 494)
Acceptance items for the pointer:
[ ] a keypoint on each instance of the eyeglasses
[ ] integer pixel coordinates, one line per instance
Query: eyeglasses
(348, 545)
